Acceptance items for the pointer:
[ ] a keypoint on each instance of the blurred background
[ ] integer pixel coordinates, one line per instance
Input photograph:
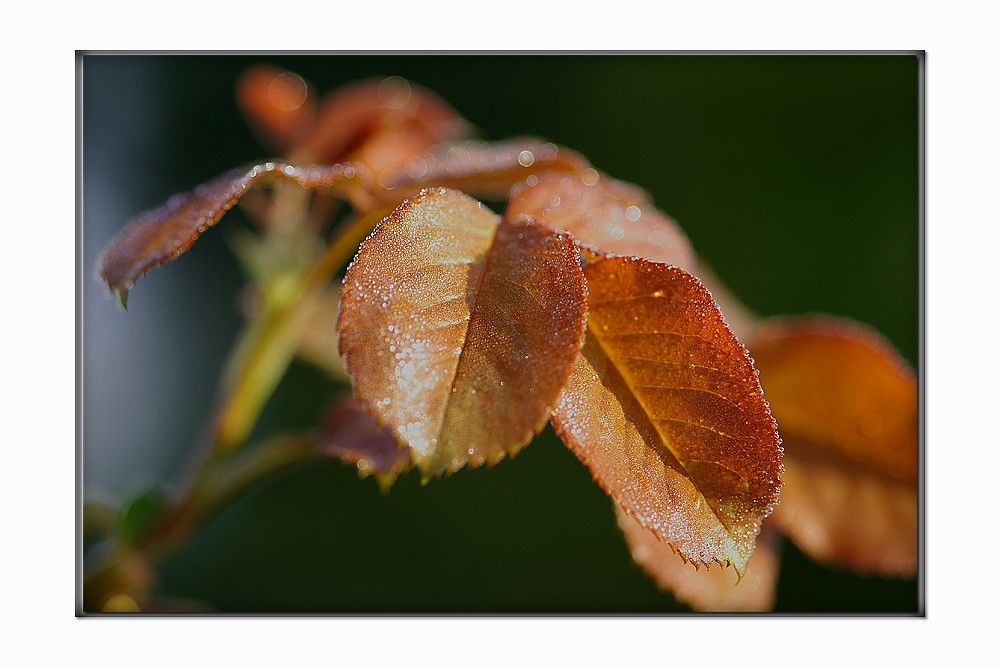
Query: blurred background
(795, 177)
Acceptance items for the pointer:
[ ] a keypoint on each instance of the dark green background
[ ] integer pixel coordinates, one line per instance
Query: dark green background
(796, 178)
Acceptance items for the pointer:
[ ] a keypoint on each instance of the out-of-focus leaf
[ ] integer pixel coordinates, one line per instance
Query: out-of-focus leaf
(664, 407)
(349, 116)
(847, 407)
(459, 330)
(349, 433)
(141, 515)
(845, 514)
(486, 169)
(712, 588)
(841, 385)
(162, 234)
(278, 105)
(606, 216)
(319, 344)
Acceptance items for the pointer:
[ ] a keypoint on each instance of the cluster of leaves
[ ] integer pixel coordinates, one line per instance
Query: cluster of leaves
(464, 332)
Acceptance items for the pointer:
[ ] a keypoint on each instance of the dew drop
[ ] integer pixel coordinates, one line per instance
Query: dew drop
(589, 176)
(526, 158)
(633, 213)
(416, 166)
(394, 92)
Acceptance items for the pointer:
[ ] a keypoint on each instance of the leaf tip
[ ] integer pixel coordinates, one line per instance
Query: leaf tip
(121, 295)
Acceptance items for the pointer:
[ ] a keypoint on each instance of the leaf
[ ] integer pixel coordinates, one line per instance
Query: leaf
(349, 116)
(459, 329)
(664, 407)
(606, 216)
(277, 104)
(739, 318)
(487, 169)
(162, 234)
(847, 407)
(844, 514)
(140, 515)
(841, 385)
(711, 589)
(349, 433)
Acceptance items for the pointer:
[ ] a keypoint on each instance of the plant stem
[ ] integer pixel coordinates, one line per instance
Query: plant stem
(223, 478)
(269, 342)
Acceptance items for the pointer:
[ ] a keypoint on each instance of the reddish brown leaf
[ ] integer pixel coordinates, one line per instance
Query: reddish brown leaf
(277, 104)
(847, 408)
(487, 169)
(606, 216)
(459, 330)
(712, 588)
(350, 115)
(841, 385)
(162, 234)
(664, 407)
(349, 433)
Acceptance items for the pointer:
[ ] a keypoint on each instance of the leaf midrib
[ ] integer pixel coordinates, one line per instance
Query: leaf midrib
(663, 440)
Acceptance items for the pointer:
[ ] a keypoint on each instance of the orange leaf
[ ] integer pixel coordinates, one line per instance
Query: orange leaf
(841, 385)
(606, 216)
(665, 409)
(162, 234)
(459, 330)
(847, 406)
(278, 105)
(844, 514)
(711, 589)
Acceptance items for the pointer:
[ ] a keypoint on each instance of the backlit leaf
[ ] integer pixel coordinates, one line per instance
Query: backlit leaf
(847, 407)
(459, 330)
(712, 588)
(604, 215)
(162, 234)
(486, 169)
(664, 407)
